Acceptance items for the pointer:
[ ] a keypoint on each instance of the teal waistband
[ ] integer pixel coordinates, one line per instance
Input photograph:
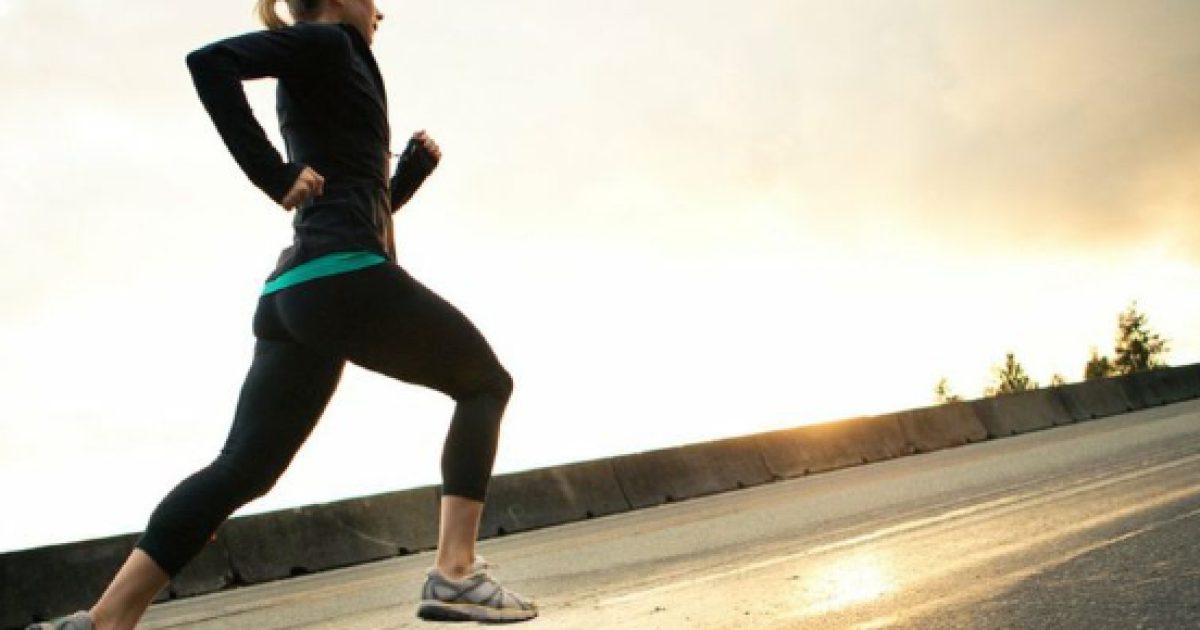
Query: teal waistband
(327, 265)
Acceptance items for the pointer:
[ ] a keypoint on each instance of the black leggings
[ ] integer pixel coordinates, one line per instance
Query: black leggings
(379, 318)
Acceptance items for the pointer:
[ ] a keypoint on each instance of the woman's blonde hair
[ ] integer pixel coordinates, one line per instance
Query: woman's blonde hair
(301, 10)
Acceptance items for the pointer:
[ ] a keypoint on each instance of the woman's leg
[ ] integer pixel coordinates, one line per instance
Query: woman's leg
(457, 532)
(382, 319)
(284, 394)
(130, 593)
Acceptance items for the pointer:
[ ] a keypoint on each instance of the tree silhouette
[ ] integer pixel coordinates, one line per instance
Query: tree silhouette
(1010, 377)
(942, 393)
(1098, 366)
(1138, 347)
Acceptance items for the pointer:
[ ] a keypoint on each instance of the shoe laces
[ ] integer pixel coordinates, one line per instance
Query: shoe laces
(483, 564)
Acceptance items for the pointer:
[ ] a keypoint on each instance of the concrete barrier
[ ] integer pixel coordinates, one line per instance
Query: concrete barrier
(548, 496)
(1092, 399)
(826, 446)
(1140, 391)
(672, 474)
(273, 545)
(209, 571)
(933, 428)
(42, 583)
(1020, 412)
(1071, 403)
(1189, 376)
(1159, 383)
(1170, 384)
(1161, 386)
(1175, 383)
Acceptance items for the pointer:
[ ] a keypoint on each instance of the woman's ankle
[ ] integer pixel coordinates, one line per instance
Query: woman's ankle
(100, 621)
(455, 566)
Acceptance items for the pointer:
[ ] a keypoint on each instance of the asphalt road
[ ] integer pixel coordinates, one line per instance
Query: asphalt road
(1094, 525)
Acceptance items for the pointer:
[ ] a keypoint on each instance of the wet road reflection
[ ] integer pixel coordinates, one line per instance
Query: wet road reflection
(844, 582)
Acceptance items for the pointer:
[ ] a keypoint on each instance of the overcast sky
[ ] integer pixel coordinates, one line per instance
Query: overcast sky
(673, 220)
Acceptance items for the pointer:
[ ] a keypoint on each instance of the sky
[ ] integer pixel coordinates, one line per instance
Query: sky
(674, 222)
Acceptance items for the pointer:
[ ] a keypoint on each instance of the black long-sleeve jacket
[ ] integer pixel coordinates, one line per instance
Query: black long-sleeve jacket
(332, 110)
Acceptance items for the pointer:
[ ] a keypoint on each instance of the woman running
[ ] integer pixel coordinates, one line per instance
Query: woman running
(336, 295)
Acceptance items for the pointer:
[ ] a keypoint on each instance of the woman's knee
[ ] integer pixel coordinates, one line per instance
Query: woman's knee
(498, 383)
(247, 481)
(494, 382)
(504, 383)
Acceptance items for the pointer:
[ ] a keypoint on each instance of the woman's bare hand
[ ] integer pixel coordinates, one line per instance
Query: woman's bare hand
(308, 185)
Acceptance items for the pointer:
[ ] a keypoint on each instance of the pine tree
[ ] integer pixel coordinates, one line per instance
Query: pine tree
(1010, 377)
(1138, 347)
(1098, 367)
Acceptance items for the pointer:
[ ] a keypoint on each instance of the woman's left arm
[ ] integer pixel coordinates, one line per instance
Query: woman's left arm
(419, 159)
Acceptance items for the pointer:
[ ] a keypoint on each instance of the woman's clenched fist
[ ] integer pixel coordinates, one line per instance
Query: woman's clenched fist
(308, 185)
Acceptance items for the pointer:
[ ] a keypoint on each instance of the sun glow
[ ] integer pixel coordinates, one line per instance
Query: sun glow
(845, 582)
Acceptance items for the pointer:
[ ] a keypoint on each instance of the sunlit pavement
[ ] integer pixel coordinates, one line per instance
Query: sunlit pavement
(1087, 526)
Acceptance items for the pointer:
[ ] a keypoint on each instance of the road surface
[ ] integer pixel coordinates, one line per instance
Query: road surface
(1094, 525)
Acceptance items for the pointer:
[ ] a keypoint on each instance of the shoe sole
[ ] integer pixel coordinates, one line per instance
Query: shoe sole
(434, 610)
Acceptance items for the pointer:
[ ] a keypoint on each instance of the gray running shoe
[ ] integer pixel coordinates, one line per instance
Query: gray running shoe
(77, 621)
(476, 597)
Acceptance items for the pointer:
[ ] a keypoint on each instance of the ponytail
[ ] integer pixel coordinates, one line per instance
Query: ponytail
(301, 10)
(268, 16)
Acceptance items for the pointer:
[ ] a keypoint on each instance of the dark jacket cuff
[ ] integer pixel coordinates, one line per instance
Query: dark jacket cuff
(413, 167)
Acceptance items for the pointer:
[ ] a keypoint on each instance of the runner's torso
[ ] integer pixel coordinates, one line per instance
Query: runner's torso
(333, 115)
(334, 119)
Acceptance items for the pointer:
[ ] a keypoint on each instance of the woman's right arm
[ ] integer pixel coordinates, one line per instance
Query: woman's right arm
(218, 70)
